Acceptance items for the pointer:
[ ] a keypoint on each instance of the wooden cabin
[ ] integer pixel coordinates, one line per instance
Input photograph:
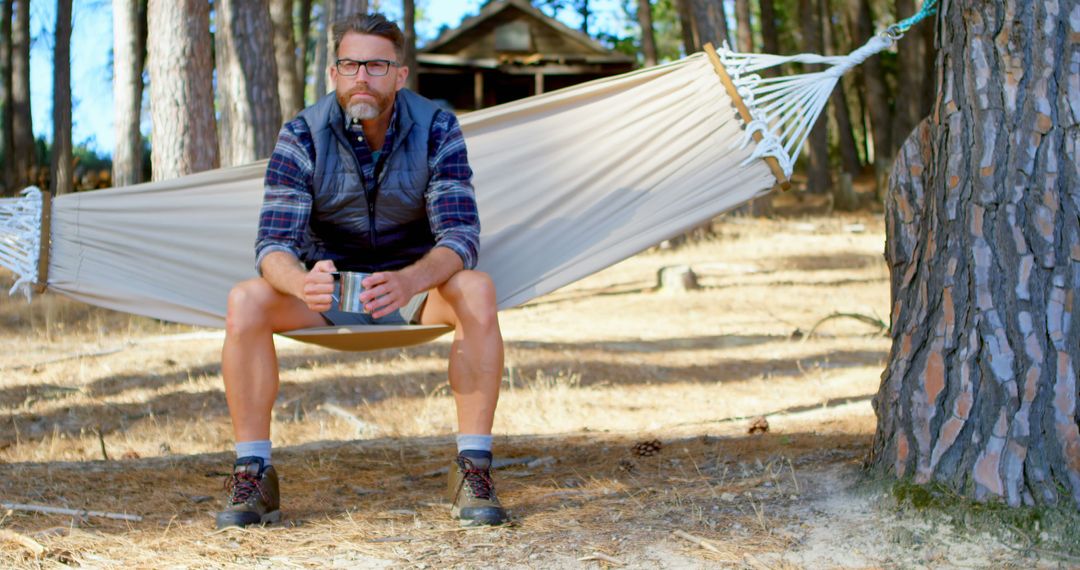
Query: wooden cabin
(509, 51)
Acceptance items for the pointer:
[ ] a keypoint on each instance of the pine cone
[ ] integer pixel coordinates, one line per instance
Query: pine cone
(758, 425)
(627, 465)
(647, 448)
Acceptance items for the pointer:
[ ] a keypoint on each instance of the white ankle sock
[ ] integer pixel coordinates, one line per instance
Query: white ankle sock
(260, 448)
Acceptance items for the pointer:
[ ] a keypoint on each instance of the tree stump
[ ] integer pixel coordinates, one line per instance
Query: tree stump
(674, 279)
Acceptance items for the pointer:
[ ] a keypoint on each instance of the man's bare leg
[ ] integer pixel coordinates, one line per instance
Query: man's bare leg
(249, 362)
(467, 302)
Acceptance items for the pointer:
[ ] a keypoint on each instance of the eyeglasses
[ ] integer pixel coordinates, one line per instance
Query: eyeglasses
(375, 67)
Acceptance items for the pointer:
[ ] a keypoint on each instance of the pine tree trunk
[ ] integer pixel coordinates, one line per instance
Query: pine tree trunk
(290, 92)
(250, 111)
(687, 26)
(770, 37)
(127, 93)
(22, 128)
(184, 133)
(585, 12)
(983, 243)
(648, 39)
(323, 55)
(845, 130)
(877, 99)
(914, 75)
(63, 167)
(744, 32)
(409, 28)
(817, 148)
(7, 135)
(710, 22)
(303, 39)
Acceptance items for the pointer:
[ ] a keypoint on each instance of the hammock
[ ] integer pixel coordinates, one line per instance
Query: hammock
(567, 183)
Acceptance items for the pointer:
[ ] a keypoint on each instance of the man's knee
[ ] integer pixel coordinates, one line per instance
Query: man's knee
(248, 306)
(472, 296)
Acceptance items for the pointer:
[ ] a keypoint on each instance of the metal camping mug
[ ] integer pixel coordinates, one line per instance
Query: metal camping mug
(350, 286)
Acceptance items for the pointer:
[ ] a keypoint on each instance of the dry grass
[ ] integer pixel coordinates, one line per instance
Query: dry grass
(591, 369)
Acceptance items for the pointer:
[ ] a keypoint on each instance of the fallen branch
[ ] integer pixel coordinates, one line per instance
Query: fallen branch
(872, 321)
(698, 541)
(73, 512)
(26, 542)
(361, 426)
(601, 557)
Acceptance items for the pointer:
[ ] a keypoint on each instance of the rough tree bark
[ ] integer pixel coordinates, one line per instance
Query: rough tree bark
(184, 134)
(22, 128)
(7, 136)
(648, 39)
(408, 9)
(983, 243)
(63, 166)
(250, 112)
(128, 49)
(743, 31)
(290, 85)
(817, 147)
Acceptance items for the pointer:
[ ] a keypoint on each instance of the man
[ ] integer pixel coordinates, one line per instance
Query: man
(371, 178)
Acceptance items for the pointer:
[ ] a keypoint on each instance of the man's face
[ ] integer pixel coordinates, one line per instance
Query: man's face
(363, 96)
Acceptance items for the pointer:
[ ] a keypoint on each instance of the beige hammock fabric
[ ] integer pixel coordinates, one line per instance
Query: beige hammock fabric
(567, 183)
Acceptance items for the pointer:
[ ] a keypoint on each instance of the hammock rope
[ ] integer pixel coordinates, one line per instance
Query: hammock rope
(784, 109)
(20, 238)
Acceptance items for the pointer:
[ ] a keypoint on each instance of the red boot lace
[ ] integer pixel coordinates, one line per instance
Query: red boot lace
(242, 486)
(478, 480)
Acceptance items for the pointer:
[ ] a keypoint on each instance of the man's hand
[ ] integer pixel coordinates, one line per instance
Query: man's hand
(319, 286)
(386, 292)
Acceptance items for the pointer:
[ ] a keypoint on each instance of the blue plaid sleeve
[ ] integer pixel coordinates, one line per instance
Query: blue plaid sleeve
(451, 202)
(287, 193)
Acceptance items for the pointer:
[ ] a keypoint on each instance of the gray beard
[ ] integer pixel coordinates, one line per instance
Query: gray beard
(362, 111)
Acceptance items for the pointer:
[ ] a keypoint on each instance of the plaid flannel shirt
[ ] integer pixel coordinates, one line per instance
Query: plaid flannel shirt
(451, 203)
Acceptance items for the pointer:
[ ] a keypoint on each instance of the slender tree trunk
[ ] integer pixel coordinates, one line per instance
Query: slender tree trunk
(409, 22)
(687, 26)
(849, 149)
(323, 57)
(250, 111)
(63, 167)
(710, 22)
(127, 92)
(302, 60)
(7, 137)
(648, 39)
(22, 128)
(585, 12)
(980, 390)
(290, 93)
(184, 133)
(744, 31)
(877, 99)
(914, 74)
(818, 147)
(770, 37)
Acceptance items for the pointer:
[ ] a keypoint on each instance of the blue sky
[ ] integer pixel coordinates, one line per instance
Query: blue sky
(91, 44)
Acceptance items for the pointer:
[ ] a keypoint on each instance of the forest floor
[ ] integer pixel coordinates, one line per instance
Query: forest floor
(118, 414)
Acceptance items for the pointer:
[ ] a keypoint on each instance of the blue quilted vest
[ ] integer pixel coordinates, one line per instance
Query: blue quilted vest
(370, 229)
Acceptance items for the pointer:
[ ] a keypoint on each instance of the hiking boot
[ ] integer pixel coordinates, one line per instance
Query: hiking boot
(472, 493)
(253, 495)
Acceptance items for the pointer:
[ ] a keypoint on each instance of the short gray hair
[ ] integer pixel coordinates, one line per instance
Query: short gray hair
(370, 24)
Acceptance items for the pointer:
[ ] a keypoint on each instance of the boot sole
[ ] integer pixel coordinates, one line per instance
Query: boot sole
(268, 518)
